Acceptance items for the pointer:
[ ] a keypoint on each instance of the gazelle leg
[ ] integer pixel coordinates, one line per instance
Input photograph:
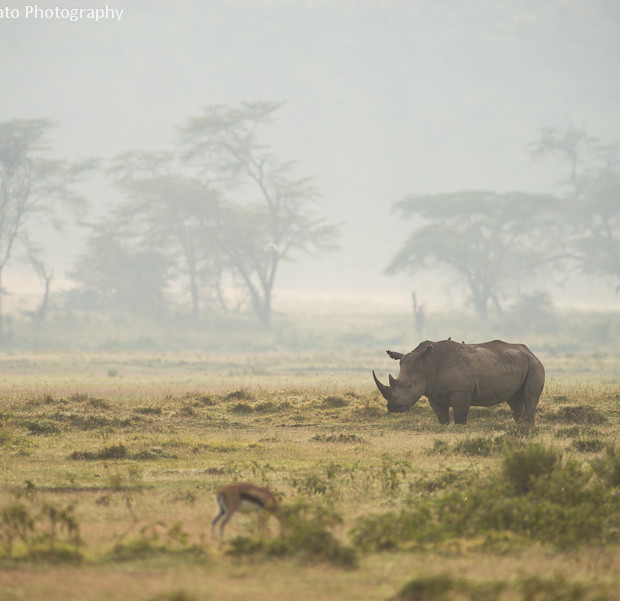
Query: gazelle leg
(222, 512)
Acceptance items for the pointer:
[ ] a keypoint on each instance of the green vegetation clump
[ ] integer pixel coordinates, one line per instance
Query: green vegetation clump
(481, 446)
(42, 427)
(118, 451)
(536, 496)
(587, 445)
(445, 587)
(334, 402)
(306, 534)
(37, 528)
(523, 467)
(341, 438)
(156, 540)
(577, 414)
(242, 408)
(607, 467)
(239, 395)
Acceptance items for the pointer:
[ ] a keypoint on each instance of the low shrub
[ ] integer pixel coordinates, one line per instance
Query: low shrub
(341, 438)
(39, 527)
(575, 432)
(577, 414)
(481, 446)
(607, 467)
(587, 445)
(445, 587)
(42, 427)
(333, 402)
(440, 447)
(241, 408)
(239, 395)
(436, 587)
(392, 472)
(536, 496)
(523, 466)
(446, 478)
(118, 451)
(174, 596)
(266, 407)
(306, 533)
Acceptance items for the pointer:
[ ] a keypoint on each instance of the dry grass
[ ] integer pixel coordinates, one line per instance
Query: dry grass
(139, 444)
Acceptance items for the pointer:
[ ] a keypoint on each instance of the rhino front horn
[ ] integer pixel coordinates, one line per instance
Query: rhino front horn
(383, 389)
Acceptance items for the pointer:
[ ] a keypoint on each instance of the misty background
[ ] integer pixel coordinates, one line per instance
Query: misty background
(377, 102)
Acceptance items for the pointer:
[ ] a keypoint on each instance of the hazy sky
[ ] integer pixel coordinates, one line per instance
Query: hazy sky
(382, 98)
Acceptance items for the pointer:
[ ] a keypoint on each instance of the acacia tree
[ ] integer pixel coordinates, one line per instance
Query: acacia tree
(271, 213)
(117, 274)
(592, 205)
(175, 214)
(32, 187)
(490, 241)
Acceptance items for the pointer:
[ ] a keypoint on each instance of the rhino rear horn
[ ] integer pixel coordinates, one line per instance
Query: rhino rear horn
(383, 389)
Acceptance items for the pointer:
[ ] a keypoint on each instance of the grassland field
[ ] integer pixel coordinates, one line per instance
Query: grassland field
(110, 463)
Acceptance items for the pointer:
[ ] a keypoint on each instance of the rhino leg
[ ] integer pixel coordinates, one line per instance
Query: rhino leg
(529, 410)
(460, 402)
(524, 403)
(441, 411)
(516, 406)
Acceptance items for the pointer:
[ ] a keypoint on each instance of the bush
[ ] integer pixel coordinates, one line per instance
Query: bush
(42, 427)
(305, 533)
(241, 408)
(427, 588)
(578, 414)
(440, 447)
(342, 438)
(112, 452)
(334, 402)
(476, 446)
(558, 503)
(587, 445)
(45, 529)
(607, 468)
(239, 395)
(445, 587)
(523, 466)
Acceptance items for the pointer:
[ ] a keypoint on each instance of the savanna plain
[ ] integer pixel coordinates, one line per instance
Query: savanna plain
(110, 463)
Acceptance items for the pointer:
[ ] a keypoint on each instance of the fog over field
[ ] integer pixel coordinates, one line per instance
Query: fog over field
(379, 100)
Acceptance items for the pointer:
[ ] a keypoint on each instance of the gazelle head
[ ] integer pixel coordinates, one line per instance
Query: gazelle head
(244, 497)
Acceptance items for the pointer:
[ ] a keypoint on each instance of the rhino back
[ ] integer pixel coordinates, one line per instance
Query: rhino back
(492, 372)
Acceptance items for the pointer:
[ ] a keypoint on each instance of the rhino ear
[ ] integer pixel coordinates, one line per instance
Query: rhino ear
(394, 355)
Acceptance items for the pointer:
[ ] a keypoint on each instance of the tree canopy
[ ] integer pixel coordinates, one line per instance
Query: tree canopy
(223, 206)
(490, 241)
(32, 187)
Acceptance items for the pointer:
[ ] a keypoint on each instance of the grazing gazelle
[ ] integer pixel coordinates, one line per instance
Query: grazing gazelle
(244, 497)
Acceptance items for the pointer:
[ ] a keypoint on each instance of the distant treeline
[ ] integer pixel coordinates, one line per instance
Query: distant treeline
(197, 233)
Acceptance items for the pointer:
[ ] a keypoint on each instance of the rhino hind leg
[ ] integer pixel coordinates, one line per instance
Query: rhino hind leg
(524, 403)
(517, 406)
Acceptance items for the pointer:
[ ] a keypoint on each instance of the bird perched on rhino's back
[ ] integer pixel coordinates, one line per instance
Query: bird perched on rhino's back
(459, 375)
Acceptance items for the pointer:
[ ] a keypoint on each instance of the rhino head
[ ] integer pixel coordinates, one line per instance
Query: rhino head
(405, 391)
